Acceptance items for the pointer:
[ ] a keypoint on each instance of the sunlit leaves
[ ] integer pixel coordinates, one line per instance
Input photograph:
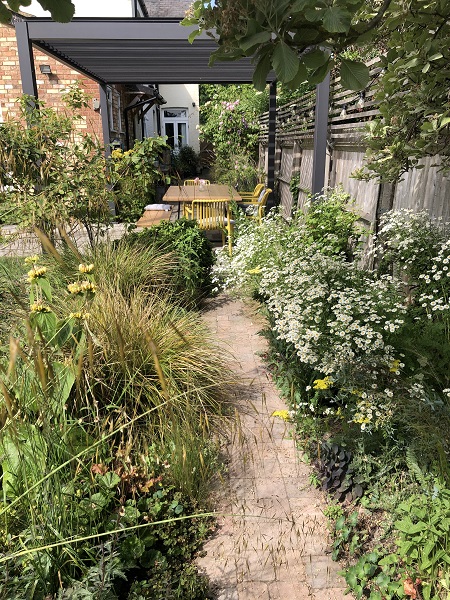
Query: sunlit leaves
(60, 10)
(354, 75)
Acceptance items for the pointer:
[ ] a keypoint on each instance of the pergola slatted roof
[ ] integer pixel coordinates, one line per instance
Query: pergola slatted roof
(135, 50)
(151, 51)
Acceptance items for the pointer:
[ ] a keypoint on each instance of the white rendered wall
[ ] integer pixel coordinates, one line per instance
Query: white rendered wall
(183, 96)
(89, 8)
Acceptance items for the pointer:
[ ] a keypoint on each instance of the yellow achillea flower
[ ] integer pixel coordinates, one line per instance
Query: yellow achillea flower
(31, 260)
(323, 384)
(36, 272)
(254, 271)
(283, 414)
(80, 287)
(394, 366)
(86, 268)
(39, 307)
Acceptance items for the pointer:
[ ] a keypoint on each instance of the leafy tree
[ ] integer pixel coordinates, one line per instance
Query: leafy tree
(302, 40)
(49, 173)
(60, 10)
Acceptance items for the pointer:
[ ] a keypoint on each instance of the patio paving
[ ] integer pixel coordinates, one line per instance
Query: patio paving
(272, 540)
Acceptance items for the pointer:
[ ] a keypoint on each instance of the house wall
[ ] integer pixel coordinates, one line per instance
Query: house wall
(184, 96)
(50, 87)
(167, 8)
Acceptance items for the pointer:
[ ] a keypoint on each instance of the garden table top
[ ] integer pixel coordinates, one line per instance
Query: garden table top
(213, 191)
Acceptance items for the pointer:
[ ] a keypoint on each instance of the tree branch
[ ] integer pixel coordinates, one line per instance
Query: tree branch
(377, 18)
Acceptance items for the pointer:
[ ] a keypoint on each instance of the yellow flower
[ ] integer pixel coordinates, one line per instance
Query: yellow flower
(31, 260)
(283, 414)
(86, 268)
(80, 287)
(254, 271)
(394, 366)
(39, 307)
(36, 272)
(116, 153)
(323, 384)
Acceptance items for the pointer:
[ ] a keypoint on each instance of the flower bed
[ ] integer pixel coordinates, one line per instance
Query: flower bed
(362, 358)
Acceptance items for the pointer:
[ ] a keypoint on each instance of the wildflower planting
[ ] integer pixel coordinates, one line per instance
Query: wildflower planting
(362, 358)
(111, 395)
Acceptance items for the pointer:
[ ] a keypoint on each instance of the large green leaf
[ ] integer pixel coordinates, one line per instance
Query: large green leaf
(61, 10)
(261, 71)
(258, 38)
(301, 77)
(315, 59)
(285, 62)
(355, 75)
(336, 20)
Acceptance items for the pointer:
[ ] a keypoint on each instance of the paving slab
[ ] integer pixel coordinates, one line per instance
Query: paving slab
(272, 541)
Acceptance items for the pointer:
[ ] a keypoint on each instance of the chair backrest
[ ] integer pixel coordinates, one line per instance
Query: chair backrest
(211, 214)
(258, 189)
(196, 182)
(262, 200)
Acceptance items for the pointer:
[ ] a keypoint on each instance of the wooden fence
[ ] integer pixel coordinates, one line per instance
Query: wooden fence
(419, 189)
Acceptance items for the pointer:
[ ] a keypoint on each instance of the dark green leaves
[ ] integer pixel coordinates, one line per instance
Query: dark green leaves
(60, 10)
(354, 75)
(254, 40)
(336, 20)
(261, 71)
(285, 62)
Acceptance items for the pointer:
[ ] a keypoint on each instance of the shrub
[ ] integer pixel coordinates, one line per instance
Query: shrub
(185, 162)
(193, 251)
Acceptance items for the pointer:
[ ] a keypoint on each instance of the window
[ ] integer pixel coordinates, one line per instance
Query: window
(114, 109)
(175, 127)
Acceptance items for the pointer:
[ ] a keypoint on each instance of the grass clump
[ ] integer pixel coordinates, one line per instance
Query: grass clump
(109, 407)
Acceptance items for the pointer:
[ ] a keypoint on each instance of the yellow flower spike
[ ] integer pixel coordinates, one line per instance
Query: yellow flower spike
(283, 414)
(86, 268)
(36, 272)
(323, 384)
(37, 307)
(30, 260)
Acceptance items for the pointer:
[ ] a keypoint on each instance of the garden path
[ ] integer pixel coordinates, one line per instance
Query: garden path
(272, 539)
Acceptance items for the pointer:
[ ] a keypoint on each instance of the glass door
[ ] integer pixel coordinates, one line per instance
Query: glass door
(175, 127)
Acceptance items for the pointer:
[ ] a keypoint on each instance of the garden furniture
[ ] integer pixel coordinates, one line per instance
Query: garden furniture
(254, 209)
(154, 214)
(214, 215)
(186, 194)
(254, 195)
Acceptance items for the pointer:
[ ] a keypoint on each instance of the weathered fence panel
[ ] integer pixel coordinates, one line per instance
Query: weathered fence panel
(420, 189)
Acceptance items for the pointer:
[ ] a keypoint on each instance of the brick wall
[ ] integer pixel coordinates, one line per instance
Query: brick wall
(167, 8)
(50, 87)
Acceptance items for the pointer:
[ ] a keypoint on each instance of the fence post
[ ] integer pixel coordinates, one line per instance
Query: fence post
(320, 135)
(271, 141)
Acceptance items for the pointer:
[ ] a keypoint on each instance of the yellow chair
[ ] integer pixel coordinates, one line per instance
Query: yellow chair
(256, 207)
(196, 182)
(213, 215)
(248, 196)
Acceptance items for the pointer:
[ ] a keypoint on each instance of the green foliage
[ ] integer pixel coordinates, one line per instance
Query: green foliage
(288, 37)
(50, 174)
(185, 162)
(135, 174)
(106, 409)
(229, 121)
(60, 10)
(345, 535)
(330, 222)
(193, 251)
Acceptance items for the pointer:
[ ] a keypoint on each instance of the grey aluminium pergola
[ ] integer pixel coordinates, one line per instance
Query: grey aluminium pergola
(121, 51)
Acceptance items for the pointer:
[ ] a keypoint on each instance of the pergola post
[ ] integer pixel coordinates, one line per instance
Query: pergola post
(105, 118)
(271, 148)
(320, 135)
(26, 59)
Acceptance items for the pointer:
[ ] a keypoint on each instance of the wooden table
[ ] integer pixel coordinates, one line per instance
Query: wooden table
(187, 193)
